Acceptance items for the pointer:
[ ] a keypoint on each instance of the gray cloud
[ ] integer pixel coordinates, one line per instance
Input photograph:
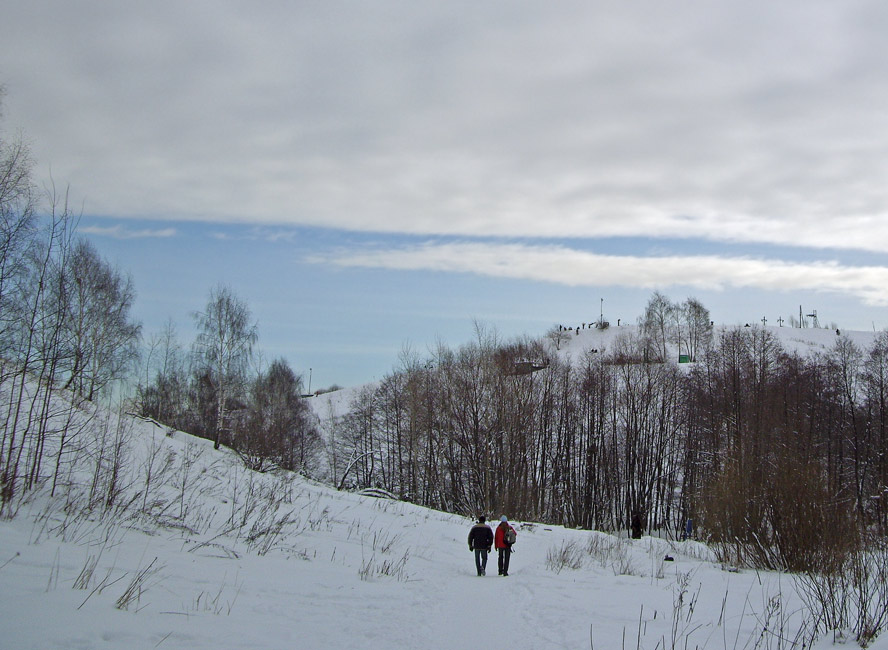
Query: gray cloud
(746, 122)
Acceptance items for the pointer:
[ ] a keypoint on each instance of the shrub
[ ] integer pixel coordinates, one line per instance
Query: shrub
(778, 514)
(568, 556)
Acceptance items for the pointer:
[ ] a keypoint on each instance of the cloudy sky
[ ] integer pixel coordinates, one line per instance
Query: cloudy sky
(373, 175)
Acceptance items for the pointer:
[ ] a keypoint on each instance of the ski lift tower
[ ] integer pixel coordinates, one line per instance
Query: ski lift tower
(816, 323)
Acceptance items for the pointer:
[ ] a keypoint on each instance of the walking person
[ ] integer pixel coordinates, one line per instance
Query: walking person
(480, 541)
(505, 537)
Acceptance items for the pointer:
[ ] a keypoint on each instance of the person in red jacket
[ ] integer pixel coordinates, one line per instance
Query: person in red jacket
(503, 540)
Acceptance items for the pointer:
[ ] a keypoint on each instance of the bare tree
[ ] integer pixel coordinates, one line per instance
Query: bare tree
(17, 233)
(163, 392)
(33, 350)
(279, 427)
(558, 336)
(875, 382)
(99, 331)
(361, 442)
(656, 325)
(224, 346)
(693, 327)
(844, 363)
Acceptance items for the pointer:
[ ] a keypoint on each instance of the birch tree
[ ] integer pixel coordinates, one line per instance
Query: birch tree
(224, 347)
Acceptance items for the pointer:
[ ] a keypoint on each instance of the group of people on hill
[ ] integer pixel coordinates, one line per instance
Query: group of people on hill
(482, 538)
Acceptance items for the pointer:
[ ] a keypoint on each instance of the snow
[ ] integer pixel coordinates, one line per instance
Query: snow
(234, 559)
(805, 341)
(208, 589)
(307, 591)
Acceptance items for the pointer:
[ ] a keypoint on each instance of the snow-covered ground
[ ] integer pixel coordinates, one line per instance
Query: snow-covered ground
(793, 339)
(314, 568)
(213, 556)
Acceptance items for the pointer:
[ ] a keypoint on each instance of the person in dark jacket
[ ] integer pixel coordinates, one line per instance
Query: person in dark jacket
(503, 545)
(480, 541)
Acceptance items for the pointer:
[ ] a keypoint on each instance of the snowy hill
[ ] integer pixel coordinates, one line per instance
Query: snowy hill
(577, 344)
(793, 339)
(209, 555)
(156, 540)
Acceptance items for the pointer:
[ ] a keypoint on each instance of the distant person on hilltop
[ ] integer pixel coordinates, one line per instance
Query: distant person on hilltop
(480, 541)
(503, 540)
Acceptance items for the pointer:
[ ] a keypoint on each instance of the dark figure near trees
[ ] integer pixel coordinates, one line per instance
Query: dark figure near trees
(637, 524)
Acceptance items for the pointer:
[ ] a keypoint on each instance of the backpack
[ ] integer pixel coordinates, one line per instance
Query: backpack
(509, 536)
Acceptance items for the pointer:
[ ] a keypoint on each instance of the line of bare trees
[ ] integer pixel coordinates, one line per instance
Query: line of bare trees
(787, 454)
(761, 448)
(584, 444)
(65, 325)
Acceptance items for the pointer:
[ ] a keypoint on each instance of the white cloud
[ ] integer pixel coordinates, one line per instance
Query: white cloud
(271, 235)
(746, 122)
(122, 232)
(566, 266)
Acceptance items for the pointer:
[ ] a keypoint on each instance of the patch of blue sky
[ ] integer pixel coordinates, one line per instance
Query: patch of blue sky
(349, 323)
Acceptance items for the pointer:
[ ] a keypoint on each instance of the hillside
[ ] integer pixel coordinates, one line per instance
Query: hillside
(225, 558)
(793, 339)
(156, 540)
(576, 345)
